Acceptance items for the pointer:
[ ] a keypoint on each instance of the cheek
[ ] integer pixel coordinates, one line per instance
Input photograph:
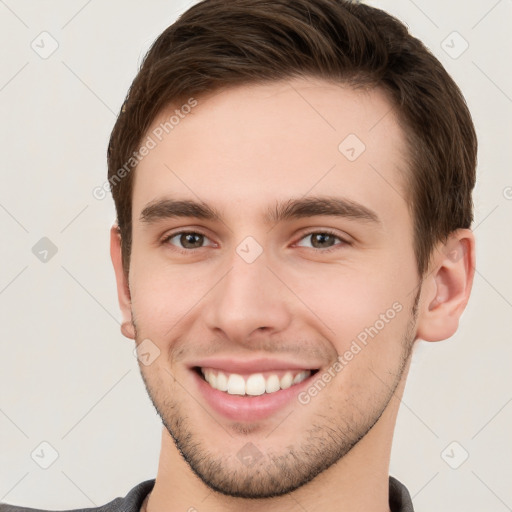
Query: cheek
(349, 300)
(342, 301)
(164, 296)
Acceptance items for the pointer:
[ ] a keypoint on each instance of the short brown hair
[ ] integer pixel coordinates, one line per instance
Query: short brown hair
(217, 44)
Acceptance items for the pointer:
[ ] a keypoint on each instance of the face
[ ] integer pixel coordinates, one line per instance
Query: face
(273, 274)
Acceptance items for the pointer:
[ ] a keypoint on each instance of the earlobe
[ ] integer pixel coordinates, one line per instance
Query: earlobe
(127, 330)
(447, 287)
(123, 289)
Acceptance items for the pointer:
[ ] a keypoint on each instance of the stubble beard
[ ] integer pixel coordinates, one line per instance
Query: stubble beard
(276, 473)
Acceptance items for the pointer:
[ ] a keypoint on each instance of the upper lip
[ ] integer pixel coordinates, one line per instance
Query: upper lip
(232, 365)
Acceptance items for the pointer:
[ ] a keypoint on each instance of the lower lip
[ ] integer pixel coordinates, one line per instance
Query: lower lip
(249, 408)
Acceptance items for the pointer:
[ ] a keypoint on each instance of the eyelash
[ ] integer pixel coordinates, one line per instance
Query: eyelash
(165, 241)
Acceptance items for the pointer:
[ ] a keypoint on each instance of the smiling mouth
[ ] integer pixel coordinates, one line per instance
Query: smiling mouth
(253, 384)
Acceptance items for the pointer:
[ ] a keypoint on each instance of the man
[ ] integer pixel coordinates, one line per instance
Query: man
(293, 191)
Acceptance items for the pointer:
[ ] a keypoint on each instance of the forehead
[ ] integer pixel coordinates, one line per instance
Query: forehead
(251, 145)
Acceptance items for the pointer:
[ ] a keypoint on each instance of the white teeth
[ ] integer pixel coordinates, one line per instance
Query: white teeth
(286, 380)
(272, 384)
(222, 382)
(300, 377)
(256, 384)
(236, 384)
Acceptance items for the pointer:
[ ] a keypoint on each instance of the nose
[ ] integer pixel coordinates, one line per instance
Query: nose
(248, 300)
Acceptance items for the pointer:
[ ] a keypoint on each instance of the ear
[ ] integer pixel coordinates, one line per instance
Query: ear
(447, 286)
(123, 289)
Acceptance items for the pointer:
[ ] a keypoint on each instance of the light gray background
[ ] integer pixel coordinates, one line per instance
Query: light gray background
(69, 378)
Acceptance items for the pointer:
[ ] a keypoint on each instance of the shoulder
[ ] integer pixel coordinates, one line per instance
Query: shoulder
(399, 497)
(130, 503)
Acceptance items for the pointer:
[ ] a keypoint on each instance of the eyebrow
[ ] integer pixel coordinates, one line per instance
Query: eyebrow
(282, 211)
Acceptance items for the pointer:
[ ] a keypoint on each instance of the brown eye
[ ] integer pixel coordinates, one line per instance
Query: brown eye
(191, 240)
(322, 240)
(186, 240)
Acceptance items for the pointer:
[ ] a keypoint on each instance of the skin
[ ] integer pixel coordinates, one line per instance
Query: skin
(242, 150)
